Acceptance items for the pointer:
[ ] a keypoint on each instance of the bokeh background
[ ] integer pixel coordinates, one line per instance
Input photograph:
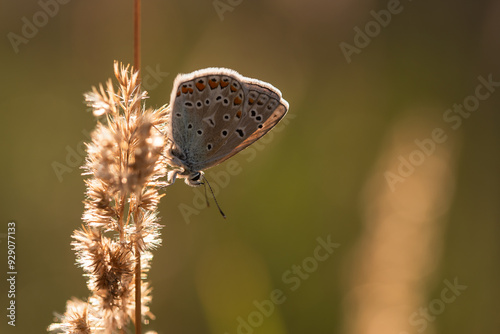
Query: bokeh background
(416, 228)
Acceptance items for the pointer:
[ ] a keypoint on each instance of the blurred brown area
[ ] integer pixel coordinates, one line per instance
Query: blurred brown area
(390, 150)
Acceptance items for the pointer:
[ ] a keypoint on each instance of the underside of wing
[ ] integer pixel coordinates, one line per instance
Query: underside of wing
(262, 110)
(215, 113)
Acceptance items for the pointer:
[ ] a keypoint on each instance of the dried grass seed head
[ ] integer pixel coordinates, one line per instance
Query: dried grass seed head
(76, 320)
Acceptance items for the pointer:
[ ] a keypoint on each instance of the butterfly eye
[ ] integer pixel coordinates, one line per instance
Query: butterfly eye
(195, 177)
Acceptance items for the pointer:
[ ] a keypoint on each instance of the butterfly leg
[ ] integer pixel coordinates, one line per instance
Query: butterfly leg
(172, 176)
(176, 163)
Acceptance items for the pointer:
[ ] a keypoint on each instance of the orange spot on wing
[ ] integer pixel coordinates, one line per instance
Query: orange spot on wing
(224, 84)
(190, 90)
(200, 86)
(178, 93)
(237, 100)
(213, 84)
(184, 90)
(233, 89)
(238, 114)
(250, 100)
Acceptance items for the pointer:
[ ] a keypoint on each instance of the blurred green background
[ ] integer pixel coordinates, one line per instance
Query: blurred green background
(323, 174)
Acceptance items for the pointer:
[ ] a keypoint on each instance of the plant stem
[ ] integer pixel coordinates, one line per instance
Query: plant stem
(137, 35)
(137, 65)
(138, 303)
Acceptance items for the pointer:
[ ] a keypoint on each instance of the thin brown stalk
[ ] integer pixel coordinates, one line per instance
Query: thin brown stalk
(138, 288)
(137, 65)
(137, 34)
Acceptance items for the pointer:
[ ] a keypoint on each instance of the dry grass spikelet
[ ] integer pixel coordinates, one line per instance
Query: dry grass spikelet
(126, 163)
(76, 320)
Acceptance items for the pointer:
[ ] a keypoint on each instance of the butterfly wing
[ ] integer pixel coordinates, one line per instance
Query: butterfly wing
(216, 113)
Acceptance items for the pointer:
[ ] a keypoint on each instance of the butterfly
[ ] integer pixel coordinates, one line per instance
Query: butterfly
(214, 114)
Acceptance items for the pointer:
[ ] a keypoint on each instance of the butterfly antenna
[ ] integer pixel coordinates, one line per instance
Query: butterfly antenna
(206, 196)
(215, 199)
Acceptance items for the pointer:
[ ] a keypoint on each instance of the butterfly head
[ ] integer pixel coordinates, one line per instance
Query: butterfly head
(194, 179)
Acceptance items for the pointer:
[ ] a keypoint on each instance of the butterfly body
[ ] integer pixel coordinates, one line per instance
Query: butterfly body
(214, 114)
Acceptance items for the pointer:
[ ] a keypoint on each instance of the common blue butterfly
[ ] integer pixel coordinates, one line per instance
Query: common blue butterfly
(214, 114)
